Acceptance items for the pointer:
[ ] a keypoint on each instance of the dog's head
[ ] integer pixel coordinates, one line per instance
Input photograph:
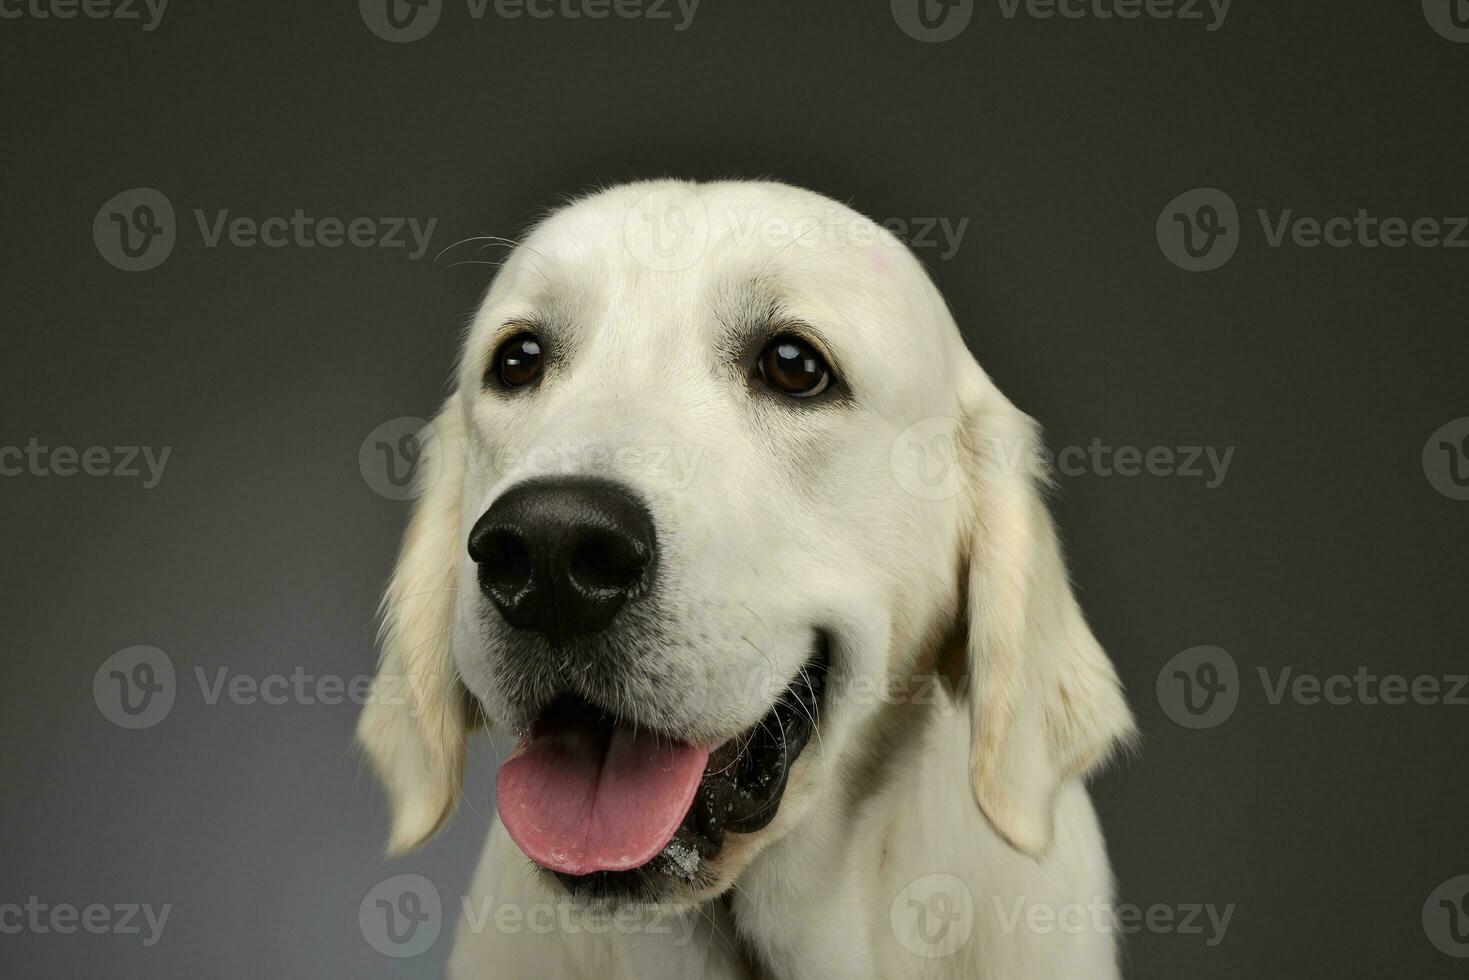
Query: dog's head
(689, 494)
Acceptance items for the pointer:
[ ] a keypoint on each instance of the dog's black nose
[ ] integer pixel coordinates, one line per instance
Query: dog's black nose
(562, 555)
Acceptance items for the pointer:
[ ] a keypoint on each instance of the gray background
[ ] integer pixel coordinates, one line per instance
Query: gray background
(264, 550)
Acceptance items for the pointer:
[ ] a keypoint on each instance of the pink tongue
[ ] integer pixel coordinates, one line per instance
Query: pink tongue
(576, 804)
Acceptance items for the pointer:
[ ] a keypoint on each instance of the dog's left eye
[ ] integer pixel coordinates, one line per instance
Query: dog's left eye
(793, 367)
(519, 361)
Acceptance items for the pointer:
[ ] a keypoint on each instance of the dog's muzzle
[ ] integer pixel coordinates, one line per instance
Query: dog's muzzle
(604, 801)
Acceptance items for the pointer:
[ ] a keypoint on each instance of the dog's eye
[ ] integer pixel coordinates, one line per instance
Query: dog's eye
(793, 367)
(519, 361)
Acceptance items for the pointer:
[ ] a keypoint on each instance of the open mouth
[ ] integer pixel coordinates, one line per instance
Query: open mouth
(604, 804)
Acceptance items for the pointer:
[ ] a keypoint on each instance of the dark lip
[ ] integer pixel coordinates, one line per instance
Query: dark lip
(740, 792)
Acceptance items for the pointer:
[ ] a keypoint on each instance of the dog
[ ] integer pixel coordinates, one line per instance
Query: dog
(726, 527)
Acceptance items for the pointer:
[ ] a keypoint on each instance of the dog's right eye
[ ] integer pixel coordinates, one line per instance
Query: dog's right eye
(520, 361)
(793, 367)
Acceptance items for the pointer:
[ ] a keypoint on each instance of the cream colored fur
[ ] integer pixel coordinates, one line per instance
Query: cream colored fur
(788, 521)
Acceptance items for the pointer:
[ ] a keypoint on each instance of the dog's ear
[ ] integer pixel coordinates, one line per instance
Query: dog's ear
(1045, 703)
(414, 724)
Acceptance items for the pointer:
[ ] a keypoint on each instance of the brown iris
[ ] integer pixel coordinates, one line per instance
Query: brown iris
(793, 367)
(519, 361)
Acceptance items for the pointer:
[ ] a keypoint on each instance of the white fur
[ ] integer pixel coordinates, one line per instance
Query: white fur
(784, 519)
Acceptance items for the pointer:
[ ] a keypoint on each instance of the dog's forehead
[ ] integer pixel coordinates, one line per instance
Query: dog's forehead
(676, 265)
(736, 244)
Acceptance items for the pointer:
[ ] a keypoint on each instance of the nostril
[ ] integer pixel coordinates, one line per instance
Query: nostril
(504, 562)
(605, 561)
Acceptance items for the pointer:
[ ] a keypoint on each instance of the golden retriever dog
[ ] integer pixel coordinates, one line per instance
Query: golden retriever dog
(725, 528)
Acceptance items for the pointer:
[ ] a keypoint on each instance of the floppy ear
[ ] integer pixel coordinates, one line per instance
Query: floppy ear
(414, 724)
(1045, 702)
